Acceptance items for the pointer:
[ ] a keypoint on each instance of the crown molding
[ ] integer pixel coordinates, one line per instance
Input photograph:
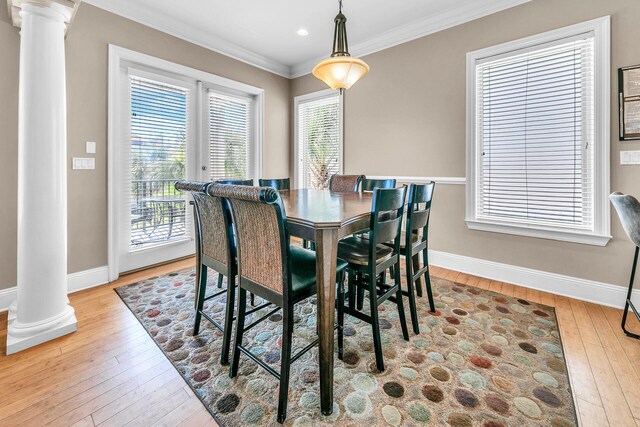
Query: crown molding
(416, 29)
(171, 26)
(403, 34)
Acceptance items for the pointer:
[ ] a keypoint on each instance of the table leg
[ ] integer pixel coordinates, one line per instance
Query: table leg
(326, 256)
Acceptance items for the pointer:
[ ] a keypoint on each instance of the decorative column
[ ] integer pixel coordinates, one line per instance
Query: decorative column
(42, 311)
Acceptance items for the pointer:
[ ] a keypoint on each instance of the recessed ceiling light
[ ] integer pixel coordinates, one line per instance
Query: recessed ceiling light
(302, 32)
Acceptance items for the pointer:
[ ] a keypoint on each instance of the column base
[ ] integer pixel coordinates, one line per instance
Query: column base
(21, 336)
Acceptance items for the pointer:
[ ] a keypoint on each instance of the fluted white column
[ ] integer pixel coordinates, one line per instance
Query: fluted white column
(42, 311)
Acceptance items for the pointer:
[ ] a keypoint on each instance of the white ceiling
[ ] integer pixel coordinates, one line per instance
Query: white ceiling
(263, 33)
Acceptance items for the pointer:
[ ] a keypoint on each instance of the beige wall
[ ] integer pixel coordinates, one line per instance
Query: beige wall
(411, 108)
(87, 67)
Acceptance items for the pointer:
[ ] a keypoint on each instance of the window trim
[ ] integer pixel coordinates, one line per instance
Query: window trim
(313, 96)
(602, 131)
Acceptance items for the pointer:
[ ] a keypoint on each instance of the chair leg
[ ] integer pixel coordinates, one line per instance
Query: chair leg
(415, 260)
(375, 324)
(228, 319)
(202, 290)
(352, 289)
(400, 303)
(341, 316)
(360, 291)
(285, 363)
(220, 279)
(628, 302)
(412, 298)
(240, 315)
(252, 299)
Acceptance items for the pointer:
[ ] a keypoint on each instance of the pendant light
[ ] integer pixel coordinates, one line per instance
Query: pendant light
(341, 70)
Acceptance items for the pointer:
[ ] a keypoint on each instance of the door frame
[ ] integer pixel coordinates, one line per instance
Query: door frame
(120, 57)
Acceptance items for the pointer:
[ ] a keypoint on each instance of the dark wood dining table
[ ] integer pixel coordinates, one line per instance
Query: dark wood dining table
(325, 217)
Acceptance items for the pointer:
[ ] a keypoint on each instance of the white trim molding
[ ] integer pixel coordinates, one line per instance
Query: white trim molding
(454, 180)
(75, 282)
(600, 234)
(601, 293)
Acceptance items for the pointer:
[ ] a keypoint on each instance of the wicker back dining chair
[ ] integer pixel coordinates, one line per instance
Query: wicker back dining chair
(272, 269)
(345, 183)
(368, 185)
(368, 259)
(628, 209)
(215, 250)
(414, 242)
(281, 184)
(247, 182)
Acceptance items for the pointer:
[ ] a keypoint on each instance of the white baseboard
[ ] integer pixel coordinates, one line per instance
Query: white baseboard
(582, 289)
(75, 282)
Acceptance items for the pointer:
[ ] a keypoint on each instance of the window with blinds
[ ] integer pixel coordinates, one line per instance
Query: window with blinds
(159, 126)
(535, 128)
(231, 137)
(319, 139)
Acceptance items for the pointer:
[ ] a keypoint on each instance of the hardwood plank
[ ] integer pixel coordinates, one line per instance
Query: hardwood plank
(533, 295)
(199, 418)
(483, 283)
(519, 292)
(181, 413)
(626, 376)
(591, 415)
(507, 289)
(495, 286)
(156, 412)
(156, 397)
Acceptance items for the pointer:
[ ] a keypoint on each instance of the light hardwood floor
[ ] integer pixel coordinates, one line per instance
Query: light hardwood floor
(111, 373)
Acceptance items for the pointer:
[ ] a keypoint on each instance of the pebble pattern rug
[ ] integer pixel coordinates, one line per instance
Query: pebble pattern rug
(483, 359)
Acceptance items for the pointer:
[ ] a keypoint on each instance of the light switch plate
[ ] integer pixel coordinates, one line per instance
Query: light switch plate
(91, 147)
(630, 157)
(84, 163)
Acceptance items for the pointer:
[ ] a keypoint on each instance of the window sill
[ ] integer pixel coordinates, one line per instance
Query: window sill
(585, 238)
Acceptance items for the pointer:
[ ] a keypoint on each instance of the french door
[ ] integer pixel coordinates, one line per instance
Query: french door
(166, 126)
(157, 146)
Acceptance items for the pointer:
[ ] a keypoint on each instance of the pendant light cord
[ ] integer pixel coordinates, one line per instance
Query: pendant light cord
(340, 4)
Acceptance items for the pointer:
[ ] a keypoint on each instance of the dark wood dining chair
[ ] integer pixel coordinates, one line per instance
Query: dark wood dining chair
(214, 249)
(628, 209)
(281, 184)
(272, 269)
(345, 183)
(368, 185)
(368, 259)
(413, 243)
(248, 182)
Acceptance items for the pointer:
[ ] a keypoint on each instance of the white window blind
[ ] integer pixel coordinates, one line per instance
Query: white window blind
(534, 135)
(231, 146)
(319, 141)
(159, 118)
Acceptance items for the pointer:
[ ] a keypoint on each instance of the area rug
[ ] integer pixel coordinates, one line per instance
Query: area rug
(483, 359)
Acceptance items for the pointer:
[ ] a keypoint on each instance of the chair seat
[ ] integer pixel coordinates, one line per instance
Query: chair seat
(355, 250)
(303, 268)
(403, 240)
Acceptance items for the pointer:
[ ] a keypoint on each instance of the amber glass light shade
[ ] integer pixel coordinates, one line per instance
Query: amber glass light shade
(340, 72)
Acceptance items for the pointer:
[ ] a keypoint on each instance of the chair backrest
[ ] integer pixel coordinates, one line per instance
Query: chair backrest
(262, 240)
(345, 183)
(387, 209)
(248, 182)
(212, 221)
(281, 184)
(628, 209)
(419, 210)
(368, 185)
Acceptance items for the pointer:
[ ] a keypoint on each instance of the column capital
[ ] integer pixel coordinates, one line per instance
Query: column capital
(68, 8)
